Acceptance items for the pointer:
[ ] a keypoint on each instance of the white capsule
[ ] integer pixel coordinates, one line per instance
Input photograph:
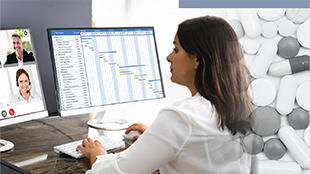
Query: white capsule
(276, 167)
(250, 22)
(280, 68)
(263, 59)
(297, 147)
(290, 66)
(286, 95)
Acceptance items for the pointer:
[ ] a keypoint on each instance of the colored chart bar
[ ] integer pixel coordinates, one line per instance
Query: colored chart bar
(125, 71)
(127, 74)
(154, 80)
(107, 52)
(130, 66)
(112, 63)
(140, 75)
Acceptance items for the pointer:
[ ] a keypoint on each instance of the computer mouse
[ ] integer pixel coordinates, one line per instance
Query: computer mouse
(131, 134)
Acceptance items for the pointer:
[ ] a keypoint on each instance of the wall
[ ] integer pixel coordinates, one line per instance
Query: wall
(40, 15)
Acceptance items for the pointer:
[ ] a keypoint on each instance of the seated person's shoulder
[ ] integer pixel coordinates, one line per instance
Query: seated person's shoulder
(28, 56)
(11, 58)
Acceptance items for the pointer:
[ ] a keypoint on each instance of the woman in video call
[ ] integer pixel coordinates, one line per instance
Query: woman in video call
(188, 136)
(25, 94)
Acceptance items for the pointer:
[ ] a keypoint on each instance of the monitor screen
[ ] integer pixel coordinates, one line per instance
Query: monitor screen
(96, 67)
(21, 96)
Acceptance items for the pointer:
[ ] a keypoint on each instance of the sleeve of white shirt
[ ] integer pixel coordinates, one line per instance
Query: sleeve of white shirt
(158, 145)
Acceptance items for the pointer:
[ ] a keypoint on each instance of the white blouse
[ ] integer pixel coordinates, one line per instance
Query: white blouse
(183, 139)
(17, 99)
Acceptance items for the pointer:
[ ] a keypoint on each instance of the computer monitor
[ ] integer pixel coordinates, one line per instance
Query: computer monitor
(98, 69)
(21, 96)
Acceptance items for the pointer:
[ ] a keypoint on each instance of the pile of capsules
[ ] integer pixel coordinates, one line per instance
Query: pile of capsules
(276, 45)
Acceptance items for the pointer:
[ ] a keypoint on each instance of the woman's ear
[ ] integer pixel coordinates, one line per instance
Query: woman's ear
(196, 63)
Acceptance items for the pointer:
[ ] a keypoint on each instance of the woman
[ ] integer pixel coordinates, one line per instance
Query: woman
(25, 95)
(195, 135)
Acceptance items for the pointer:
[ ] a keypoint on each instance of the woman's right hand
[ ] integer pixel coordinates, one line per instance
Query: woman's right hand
(136, 127)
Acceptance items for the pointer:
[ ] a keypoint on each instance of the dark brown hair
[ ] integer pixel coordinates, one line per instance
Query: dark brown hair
(222, 76)
(20, 72)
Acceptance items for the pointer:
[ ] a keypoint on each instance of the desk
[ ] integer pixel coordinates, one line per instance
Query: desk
(38, 137)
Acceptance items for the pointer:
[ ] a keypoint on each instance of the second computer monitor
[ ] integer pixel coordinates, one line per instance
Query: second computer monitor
(96, 67)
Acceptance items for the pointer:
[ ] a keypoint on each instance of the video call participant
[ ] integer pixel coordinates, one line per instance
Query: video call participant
(25, 95)
(20, 55)
(193, 135)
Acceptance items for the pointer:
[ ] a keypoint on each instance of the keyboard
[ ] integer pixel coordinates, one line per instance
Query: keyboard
(70, 148)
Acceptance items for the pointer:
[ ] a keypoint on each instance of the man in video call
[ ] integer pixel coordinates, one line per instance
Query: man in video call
(20, 55)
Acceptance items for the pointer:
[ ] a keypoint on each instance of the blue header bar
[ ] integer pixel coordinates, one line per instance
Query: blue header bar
(78, 31)
(244, 4)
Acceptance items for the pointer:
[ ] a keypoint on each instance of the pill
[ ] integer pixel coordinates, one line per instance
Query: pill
(264, 91)
(237, 26)
(303, 34)
(263, 59)
(274, 149)
(286, 28)
(271, 14)
(286, 95)
(305, 172)
(253, 144)
(296, 146)
(303, 95)
(251, 46)
(288, 47)
(269, 29)
(297, 15)
(302, 77)
(307, 136)
(276, 167)
(290, 66)
(231, 150)
(250, 22)
(298, 118)
(267, 121)
(235, 167)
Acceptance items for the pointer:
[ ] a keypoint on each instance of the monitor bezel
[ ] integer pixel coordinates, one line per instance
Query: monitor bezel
(92, 109)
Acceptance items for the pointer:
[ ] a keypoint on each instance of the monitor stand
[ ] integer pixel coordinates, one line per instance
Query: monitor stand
(102, 121)
(5, 145)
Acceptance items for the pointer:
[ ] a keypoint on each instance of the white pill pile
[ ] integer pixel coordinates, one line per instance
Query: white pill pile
(276, 44)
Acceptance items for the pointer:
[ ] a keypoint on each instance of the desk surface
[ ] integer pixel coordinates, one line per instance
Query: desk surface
(38, 137)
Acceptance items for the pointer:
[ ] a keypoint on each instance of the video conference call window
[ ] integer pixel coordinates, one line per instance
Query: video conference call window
(19, 82)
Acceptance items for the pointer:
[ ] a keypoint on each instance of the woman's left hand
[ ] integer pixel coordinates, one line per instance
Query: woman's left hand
(91, 149)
